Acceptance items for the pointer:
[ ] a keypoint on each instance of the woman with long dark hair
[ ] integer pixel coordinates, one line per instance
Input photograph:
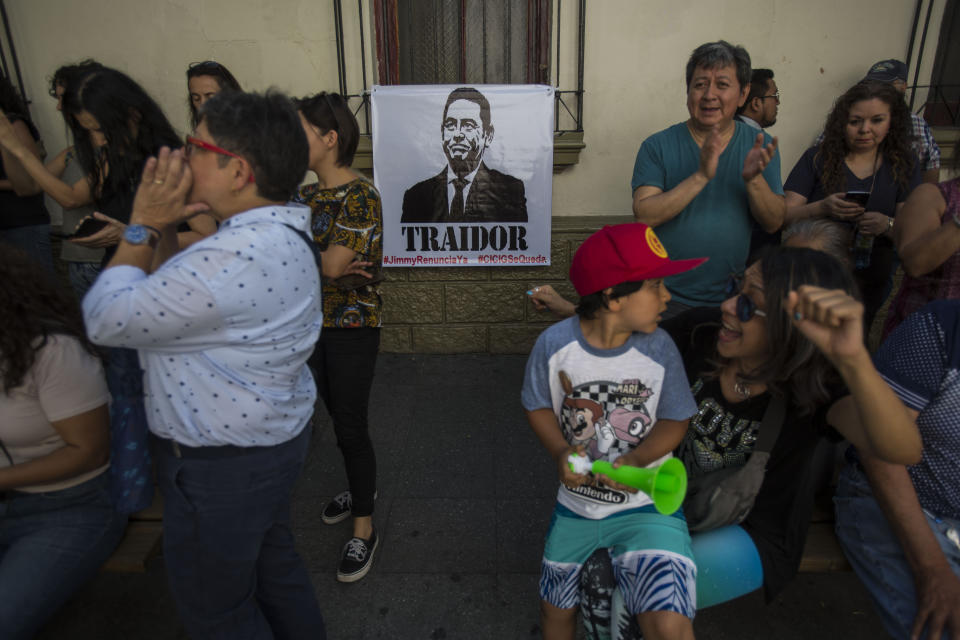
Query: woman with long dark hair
(790, 332)
(83, 263)
(24, 221)
(348, 227)
(860, 174)
(205, 80)
(58, 524)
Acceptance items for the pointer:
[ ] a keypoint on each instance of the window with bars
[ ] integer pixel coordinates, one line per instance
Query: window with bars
(463, 41)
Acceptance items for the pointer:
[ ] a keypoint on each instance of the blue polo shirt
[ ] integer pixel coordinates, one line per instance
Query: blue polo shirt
(717, 223)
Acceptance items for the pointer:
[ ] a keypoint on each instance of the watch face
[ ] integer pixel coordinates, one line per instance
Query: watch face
(136, 234)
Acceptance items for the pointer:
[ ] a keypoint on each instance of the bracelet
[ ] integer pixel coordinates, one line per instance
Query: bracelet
(890, 224)
(956, 218)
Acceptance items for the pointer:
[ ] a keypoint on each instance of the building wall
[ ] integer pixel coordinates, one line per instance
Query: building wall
(635, 53)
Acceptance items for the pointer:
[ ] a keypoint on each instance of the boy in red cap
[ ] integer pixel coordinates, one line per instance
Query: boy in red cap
(608, 383)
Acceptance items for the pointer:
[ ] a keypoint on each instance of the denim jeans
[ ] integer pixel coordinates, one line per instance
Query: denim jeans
(227, 544)
(82, 276)
(343, 362)
(51, 544)
(875, 552)
(34, 239)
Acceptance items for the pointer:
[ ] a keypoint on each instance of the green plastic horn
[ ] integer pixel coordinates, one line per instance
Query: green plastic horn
(666, 485)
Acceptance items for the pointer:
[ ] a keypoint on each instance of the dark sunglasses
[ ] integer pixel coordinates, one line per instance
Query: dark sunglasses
(206, 64)
(746, 308)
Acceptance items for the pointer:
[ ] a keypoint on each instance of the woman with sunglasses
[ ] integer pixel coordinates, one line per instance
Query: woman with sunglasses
(789, 328)
(348, 227)
(205, 80)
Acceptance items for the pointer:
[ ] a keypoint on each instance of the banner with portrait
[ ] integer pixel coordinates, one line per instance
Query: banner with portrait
(464, 173)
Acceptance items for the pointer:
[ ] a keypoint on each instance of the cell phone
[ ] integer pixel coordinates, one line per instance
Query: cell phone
(858, 197)
(88, 227)
(356, 280)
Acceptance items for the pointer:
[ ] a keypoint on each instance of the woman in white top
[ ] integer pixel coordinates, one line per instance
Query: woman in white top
(57, 524)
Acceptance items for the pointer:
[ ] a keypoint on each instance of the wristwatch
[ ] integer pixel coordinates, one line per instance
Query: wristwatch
(142, 234)
(890, 223)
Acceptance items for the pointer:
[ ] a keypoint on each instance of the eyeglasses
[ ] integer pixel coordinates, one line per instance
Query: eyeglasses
(775, 96)
(746, 308)
(192, 143)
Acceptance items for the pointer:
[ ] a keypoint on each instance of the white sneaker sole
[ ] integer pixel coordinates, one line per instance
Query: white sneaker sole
(334, 520)
(357, 575)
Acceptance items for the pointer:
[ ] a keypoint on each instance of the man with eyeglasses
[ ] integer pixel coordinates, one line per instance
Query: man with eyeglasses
(760, 112)
(223, 330)
(763, 102)
(466, 190)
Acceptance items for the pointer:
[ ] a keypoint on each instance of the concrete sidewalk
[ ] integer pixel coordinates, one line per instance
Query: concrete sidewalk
(466, 494)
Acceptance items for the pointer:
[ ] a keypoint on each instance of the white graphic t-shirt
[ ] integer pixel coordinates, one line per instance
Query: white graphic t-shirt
(607, 400)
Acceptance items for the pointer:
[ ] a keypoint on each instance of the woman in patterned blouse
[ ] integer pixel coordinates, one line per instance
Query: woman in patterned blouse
(348, 227)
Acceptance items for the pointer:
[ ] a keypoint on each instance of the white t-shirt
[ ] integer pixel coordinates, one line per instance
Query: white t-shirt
(65, 381)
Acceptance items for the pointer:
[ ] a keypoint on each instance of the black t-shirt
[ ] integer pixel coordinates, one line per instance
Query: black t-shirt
(885, 192)
(722, 434)
(21, 211)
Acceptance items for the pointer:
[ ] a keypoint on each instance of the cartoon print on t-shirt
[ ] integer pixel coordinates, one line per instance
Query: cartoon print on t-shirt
(610, 418)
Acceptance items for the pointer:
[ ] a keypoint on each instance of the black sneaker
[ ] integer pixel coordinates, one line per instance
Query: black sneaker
(357, 558)
(339, 508)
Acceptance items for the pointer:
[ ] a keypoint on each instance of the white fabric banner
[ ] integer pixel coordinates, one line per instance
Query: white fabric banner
(464, 173)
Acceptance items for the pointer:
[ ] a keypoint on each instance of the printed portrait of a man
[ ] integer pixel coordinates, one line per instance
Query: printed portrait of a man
(466, 190)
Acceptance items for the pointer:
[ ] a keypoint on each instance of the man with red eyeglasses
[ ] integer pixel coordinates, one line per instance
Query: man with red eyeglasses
(223, 330)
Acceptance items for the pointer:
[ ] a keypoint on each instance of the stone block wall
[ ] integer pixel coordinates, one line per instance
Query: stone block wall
(479, 309)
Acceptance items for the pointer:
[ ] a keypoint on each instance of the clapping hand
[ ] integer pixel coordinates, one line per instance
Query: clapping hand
(710, 152)
(758, 158)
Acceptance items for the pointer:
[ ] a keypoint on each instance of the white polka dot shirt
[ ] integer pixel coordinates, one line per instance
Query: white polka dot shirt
(223, 329)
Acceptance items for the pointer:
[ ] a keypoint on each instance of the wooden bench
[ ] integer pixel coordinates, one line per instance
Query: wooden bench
(822, 552)
(141, 540)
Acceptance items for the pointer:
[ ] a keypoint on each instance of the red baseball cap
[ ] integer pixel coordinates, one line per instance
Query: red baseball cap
(623, 253)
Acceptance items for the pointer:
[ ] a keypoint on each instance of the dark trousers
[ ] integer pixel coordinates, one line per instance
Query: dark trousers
(343, 363)
(227, 545)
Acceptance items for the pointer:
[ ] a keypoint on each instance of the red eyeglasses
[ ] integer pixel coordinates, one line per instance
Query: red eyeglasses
(202, 144)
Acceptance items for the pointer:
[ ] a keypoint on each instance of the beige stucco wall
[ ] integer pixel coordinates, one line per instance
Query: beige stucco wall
(635, 55)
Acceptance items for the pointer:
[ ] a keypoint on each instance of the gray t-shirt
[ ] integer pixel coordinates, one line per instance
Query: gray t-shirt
(606, 399)
(70, 252)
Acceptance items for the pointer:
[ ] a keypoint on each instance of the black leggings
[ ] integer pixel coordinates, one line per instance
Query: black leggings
(343, 363)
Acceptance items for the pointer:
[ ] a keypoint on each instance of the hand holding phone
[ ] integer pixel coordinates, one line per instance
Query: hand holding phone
(88, 227)
(97, 232)
(838, 207)
(858, 197)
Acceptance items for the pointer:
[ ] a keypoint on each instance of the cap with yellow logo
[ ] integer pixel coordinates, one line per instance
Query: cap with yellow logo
(623, 253)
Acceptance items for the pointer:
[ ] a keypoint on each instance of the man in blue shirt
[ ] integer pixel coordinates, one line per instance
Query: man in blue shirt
(700, 183)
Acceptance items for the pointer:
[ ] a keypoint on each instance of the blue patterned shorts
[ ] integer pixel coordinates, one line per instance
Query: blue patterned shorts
(652, 560)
